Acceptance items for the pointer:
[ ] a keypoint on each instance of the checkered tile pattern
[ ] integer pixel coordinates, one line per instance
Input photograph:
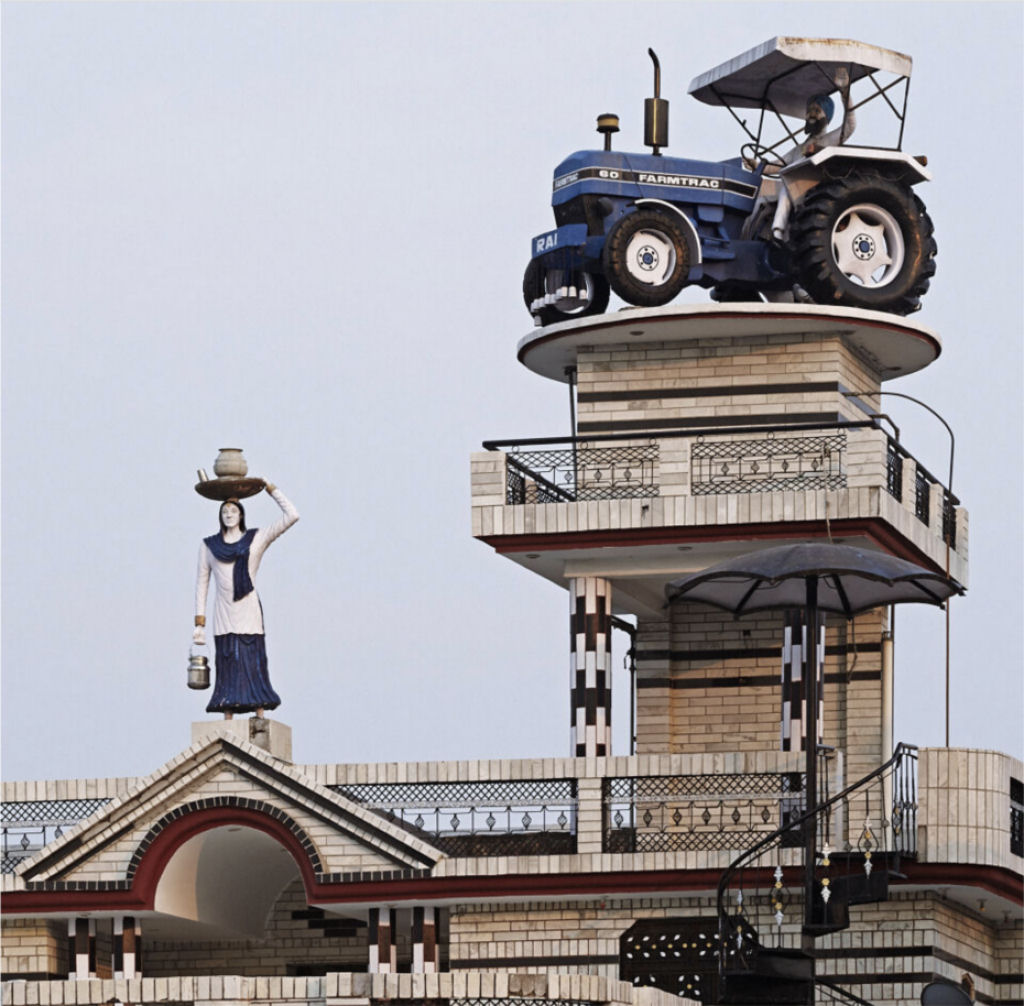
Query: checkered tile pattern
(794, 671)
(590, 666)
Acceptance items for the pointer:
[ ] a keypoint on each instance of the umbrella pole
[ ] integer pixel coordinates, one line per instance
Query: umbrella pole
(811, 828)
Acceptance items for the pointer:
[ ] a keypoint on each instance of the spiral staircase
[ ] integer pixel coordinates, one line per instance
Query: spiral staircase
(874, 821)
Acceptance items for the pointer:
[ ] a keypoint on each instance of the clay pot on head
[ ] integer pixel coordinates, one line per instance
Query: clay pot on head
(230, 463)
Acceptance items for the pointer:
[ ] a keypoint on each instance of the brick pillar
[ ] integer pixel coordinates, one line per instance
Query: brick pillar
(379, 931)
(127, 948)
(81, 948)
(590, 667)
(424, 941)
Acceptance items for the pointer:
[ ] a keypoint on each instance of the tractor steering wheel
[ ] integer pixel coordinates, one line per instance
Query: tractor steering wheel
(754, 152)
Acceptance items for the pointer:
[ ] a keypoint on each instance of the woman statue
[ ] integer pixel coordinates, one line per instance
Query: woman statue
(233, 557)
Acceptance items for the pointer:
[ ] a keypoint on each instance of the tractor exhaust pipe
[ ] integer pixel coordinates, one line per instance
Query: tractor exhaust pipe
(656, 113)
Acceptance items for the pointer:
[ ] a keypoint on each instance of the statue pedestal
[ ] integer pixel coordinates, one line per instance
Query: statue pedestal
(272, 736)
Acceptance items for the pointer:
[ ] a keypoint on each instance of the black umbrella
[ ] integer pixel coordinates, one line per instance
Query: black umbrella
(844, 580)
(819, 577)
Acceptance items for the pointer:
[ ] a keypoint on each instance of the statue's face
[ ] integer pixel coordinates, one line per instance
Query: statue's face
(817, 120)
(230, 515)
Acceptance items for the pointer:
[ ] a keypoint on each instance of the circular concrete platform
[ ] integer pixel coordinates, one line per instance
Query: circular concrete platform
(892, 344)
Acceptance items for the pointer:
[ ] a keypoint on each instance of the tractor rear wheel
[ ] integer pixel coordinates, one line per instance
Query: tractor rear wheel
(573, 294)
(864, 241)
(646, 258)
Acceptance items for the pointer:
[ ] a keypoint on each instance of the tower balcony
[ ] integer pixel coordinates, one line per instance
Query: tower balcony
(703, 431)
(549, 503)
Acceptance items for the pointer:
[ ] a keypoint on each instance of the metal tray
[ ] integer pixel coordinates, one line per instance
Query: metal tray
(229, 488)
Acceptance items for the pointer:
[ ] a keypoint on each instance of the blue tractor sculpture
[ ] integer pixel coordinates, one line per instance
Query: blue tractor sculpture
(807, 218)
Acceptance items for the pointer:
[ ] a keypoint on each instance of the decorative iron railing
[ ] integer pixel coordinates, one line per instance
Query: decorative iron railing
(516, 1002)
(500, 818)
(903, 803)
(29, 825)
(767, 464)
(696, 812)
(605, 466)
(582, 473)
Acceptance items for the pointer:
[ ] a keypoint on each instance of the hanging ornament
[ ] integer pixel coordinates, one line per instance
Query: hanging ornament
(866, 843)
(778, 897)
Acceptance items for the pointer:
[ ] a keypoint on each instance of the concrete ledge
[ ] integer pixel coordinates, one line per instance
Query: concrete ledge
(272, 736)
(335, 989)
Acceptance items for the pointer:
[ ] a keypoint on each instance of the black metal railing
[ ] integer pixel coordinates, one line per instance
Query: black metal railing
(500, 818)
(582, 472)
(904, 803)
(828, 992)
(696, 812)
(613, 466)
(861, 834)
(29, 825)
(1016, 817)
(923, 482)
(922, 497)
(767, 464)
(893, 471)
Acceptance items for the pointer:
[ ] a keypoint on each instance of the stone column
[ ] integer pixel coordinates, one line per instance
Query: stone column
(590, 666)
(424, 941)
(81, 948)
(127, 948)
(380, 934)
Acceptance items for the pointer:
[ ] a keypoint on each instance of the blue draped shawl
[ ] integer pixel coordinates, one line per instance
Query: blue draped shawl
(238, 553)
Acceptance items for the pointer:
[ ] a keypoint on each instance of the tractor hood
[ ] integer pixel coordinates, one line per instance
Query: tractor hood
(617, 173)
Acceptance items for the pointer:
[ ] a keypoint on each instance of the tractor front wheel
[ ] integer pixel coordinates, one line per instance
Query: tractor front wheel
(646, 258)
(864, 241)
(558, 295)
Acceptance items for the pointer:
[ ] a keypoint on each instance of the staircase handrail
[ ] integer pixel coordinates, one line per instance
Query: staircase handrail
(845, 994)
(743, 857)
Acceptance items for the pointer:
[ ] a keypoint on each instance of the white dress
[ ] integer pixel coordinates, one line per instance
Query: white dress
(246, 615)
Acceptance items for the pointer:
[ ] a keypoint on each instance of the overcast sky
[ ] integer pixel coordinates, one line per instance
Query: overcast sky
(301, 229)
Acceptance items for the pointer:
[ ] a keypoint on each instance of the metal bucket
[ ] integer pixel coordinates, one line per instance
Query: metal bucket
(198, 671)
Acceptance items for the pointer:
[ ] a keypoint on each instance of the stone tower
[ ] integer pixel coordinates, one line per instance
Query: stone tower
(701, 433)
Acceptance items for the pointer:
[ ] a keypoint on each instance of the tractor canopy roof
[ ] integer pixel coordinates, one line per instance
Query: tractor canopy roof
(781, 74)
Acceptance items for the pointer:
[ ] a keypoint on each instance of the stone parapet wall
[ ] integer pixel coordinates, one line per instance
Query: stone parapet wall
(964, 807)
(542, 768)
(66, 789)
(336, 990)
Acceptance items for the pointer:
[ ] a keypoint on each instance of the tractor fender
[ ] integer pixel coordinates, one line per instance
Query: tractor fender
(692, 238)
(894, 164)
